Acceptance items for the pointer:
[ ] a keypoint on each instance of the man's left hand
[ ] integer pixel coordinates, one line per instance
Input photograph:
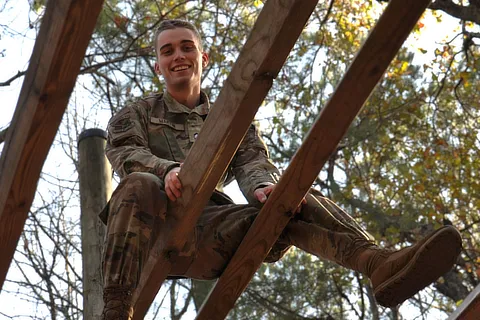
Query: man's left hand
(262, 194)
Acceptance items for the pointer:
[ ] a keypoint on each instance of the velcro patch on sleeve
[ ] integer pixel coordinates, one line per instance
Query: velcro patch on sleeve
(121, 122)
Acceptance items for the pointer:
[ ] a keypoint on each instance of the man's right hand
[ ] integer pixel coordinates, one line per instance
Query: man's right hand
(173, 186)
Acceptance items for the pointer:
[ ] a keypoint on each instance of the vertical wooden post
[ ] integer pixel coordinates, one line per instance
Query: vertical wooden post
(95, 190)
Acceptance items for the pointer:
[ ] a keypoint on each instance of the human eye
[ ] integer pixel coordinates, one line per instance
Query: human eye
(166, 52)
(189, 47)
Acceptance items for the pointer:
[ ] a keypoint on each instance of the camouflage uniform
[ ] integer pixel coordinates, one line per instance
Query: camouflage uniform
(154, 135)
(150, 137)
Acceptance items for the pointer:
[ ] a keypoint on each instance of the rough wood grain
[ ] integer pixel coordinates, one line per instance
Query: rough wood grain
(470, 307)
(271, 40)
(59, 49)
(366, 70)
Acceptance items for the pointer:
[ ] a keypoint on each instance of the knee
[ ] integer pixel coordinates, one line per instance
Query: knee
(142, 183)
(143, 178)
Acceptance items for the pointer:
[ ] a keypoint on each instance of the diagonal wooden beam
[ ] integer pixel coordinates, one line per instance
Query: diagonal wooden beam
(271, 40)
(66, 29)
(470, 307)
(361, 78)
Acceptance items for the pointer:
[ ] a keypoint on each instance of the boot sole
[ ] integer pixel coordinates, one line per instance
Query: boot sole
(420, 272)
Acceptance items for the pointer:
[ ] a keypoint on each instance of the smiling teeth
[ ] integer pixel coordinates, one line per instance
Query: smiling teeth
(180, 68)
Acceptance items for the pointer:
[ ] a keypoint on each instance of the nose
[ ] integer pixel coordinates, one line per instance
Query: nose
(179, 55)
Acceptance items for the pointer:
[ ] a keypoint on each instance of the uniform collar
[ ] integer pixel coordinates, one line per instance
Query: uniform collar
(176, 107)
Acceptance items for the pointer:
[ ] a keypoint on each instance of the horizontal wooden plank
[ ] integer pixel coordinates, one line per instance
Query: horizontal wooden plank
(271, 40)
(470, 307)
(366, 70)
(66, 29)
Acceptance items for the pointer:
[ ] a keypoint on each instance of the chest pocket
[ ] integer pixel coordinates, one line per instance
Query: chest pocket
(163, 139)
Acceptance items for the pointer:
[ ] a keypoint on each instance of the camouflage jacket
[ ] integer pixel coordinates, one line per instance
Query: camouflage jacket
(156, 133)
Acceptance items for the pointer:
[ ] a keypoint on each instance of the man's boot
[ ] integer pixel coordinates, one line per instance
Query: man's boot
(117, 303)
(403, 273)
(395, 275)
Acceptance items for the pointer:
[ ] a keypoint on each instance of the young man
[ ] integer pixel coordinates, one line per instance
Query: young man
(148, 141)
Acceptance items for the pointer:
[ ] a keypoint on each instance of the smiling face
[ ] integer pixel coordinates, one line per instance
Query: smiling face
(179, 59)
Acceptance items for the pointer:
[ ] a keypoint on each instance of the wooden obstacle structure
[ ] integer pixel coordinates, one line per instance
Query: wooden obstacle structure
(55, 63)
(470, 307)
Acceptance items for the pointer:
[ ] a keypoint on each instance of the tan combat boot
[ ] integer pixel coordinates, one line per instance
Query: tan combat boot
(117, 303)
(397, 276)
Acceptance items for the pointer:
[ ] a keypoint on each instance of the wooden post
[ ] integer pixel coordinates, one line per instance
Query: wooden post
(263, 55)
(64, 35)
(95, 174)
(369, 65)
(470, 307)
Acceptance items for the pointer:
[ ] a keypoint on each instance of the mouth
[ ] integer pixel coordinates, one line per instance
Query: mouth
(180, 68)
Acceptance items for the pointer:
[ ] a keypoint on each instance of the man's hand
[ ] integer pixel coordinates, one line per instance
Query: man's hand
(262, 194)
(173, 186)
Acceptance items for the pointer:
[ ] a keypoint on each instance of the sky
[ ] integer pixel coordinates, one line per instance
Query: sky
(15, 59)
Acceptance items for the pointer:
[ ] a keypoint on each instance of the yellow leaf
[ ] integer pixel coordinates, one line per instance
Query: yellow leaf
(257, 3)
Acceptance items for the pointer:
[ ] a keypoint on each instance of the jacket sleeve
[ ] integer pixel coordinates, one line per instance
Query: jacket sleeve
(251, 165)
(127, 144)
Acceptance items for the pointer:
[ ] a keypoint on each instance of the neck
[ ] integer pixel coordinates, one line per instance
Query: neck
(188, 96)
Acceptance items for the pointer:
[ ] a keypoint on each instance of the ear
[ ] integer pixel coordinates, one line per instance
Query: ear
(205, 59)
(157, 69)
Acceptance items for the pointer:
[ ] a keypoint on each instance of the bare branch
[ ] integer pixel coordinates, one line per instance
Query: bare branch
(15, 77)
(3, 134)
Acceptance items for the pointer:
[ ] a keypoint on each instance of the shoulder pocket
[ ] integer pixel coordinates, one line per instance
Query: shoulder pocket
(123, 127)
(121, 122)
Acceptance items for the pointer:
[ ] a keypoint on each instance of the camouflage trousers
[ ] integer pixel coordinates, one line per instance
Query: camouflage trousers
(138, 215)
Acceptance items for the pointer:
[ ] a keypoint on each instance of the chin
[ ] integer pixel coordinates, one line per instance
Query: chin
(179, 84)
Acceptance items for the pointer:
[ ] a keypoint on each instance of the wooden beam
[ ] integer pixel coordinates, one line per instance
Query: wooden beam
(361, 78)
(271, 40)
(470, 307)
(66, 29)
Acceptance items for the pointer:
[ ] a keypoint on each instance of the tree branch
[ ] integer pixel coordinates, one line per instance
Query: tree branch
(15, 77)
(467, 13)
(3, 135)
